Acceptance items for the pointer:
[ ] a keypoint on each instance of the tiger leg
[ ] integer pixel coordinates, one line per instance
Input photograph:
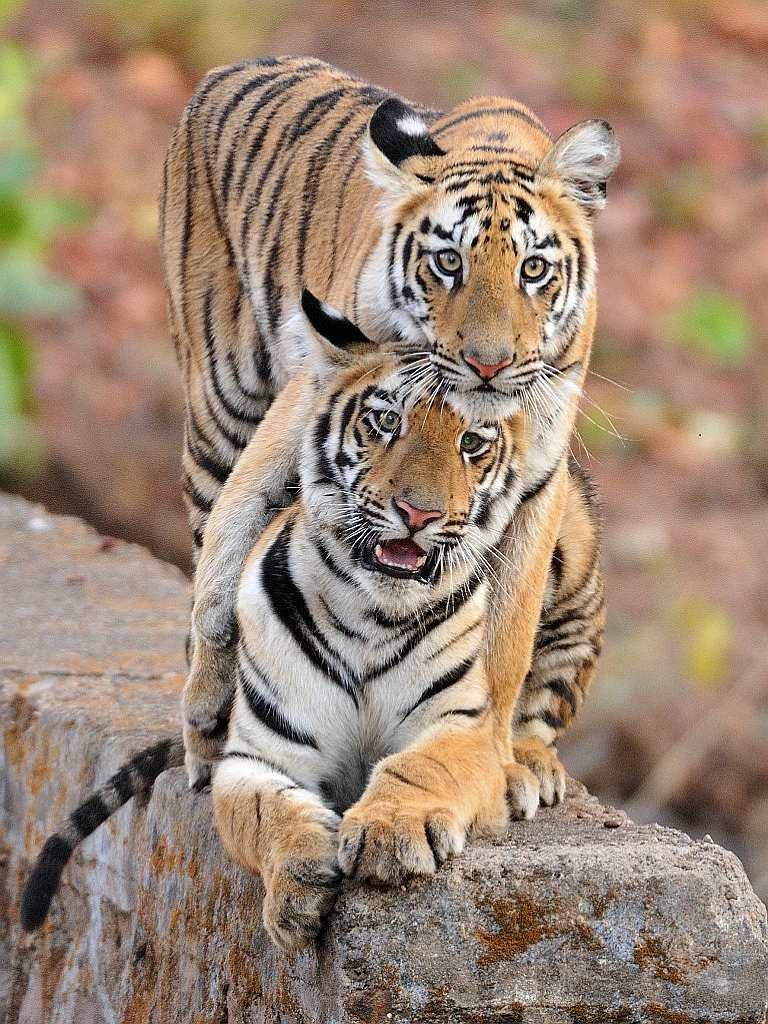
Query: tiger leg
(226, 375)
(254, 489)
(516, 614)
(283, 832)
(420, 803)
(568, 641)
(206, 703)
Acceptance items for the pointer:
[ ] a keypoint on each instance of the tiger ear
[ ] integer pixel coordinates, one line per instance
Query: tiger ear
(399, 151)
(335, 342)
(583, 157)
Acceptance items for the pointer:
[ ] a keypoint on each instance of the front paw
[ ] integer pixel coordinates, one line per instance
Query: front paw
(201, 750)
(208, 720)
(387, 844)
(200, 753)
(545, 764)
(304, 884)
(199, 771)
(206, 708)
(299, 897)
(210, 688)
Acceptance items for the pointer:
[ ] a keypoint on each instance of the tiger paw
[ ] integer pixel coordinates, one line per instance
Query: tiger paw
(303, 886)
(206, 706)
(388, 844)
(545, 764)
(522, 791)
(200, 754)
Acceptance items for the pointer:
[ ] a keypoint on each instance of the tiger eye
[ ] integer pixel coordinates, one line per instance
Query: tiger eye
(449, 261)
(388, 421)
(533, 268)
(471, 442)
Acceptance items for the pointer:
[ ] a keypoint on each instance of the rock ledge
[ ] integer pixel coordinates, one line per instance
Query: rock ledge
(579, 917)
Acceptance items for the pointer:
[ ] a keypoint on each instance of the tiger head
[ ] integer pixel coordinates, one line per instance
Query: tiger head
(412, 488)
(487, 257)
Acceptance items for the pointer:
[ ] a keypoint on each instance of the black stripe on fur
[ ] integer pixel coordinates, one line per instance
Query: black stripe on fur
(453, 676)
(271, 717)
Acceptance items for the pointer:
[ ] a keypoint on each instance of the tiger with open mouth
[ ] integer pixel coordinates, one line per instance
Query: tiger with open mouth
(362, 739)
(450, 609)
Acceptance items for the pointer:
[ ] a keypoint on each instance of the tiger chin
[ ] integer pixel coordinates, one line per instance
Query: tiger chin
(361, 742)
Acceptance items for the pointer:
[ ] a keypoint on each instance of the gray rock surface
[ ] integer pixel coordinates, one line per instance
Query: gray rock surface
(579, 917)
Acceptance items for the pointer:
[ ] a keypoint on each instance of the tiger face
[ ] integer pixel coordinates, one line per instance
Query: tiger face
(487, 252)
(414, 489)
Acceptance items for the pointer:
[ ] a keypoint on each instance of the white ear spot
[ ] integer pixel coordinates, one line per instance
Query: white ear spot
(396, 133)
(412, 125)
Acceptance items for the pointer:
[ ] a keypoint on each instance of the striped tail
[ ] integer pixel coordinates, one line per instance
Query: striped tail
(135, 777)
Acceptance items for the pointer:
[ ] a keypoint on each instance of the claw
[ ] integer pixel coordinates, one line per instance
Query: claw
(522, 791)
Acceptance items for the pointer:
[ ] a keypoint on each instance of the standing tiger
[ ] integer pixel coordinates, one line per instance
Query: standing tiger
(461, 239)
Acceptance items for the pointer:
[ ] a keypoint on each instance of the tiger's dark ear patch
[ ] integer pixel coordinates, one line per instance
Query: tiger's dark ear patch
(399, 133)
(330, 324)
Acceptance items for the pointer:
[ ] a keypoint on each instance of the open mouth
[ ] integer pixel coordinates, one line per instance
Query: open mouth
(402, 558)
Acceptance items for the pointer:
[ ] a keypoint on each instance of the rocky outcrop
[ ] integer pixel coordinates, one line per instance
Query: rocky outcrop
(579, 916)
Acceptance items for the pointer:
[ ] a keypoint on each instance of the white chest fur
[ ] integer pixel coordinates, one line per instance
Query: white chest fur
(341, 676)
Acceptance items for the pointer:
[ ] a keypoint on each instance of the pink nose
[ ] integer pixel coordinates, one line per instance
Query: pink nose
(414, 517)
(486, 370)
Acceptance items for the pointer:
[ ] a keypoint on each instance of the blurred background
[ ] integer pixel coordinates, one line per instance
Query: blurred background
(674, 421)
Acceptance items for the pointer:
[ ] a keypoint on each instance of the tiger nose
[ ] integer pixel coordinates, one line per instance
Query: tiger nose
(413, 517)
(486, 370)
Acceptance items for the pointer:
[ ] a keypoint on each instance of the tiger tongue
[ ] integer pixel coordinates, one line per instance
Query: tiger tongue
(401, 554)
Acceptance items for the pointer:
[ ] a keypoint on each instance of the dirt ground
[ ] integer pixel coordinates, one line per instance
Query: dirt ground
(673, 424)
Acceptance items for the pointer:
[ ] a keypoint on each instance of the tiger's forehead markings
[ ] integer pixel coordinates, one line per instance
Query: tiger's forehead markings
(400, 390)
(465, 219)
(488, 165)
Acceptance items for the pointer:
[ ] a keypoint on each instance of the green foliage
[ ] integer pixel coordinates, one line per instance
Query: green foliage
(760, 131)
(708, 633)
(573, 10)
(198, 32)
(19, 449)
(529, 33)
(29, 220)
(28, 289)
(461, 81)
(714, 325)
(7, 10)
(16, 81)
